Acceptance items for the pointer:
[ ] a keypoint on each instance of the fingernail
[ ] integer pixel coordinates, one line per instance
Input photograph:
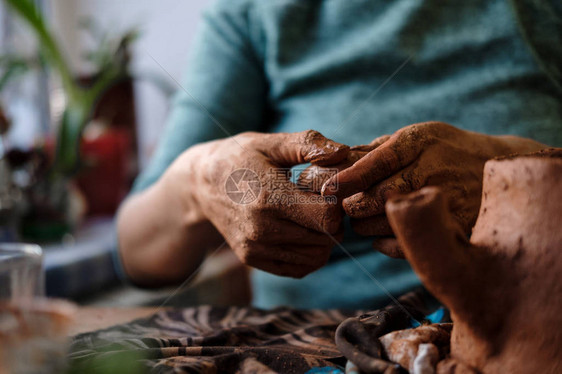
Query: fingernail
(329, 188)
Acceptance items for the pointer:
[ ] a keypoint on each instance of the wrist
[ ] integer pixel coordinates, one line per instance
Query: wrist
(178, 190)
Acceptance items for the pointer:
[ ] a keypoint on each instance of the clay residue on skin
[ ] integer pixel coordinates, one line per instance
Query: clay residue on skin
(274, 232)
(503, 287)
(416, 156)
(322, 151)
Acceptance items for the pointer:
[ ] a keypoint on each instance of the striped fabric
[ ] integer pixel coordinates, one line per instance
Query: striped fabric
(210, 339)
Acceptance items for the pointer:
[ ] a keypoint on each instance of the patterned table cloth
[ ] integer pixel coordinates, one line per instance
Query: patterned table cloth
(211, 339)
(208, 339)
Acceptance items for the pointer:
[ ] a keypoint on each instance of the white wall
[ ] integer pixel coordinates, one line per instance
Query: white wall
(167, 26)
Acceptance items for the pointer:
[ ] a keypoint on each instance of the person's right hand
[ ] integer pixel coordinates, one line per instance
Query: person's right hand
(275, 227)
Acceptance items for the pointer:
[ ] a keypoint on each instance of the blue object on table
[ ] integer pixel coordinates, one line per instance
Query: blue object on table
(325, 370)
(435, 317)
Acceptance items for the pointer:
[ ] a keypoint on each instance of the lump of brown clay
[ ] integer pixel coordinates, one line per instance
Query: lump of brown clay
(418, 350)
(503, 287)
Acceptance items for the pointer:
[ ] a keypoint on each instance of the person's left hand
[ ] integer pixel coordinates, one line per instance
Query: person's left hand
(419, 155)
(313, 177)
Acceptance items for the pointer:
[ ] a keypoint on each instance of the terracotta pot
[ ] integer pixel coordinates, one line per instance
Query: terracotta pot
(503, 287)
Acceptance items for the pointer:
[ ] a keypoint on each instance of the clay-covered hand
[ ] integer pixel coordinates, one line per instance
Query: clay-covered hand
(241, 185)
(314, 176)
(424, 154)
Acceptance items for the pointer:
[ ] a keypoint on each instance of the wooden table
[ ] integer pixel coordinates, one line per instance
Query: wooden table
(95, 318)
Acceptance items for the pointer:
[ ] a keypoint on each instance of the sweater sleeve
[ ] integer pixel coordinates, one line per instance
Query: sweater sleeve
(223, 91)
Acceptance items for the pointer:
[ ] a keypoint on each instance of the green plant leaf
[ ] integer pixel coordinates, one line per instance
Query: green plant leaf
(112, 61)
(67, 156)
(29, 13)
(11, 67)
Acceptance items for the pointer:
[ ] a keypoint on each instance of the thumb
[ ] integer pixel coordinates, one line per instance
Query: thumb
(289, 149)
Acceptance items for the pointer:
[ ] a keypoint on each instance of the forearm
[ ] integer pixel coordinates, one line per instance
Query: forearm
(163, 236)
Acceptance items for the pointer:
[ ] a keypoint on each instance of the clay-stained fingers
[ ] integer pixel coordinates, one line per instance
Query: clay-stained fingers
(278, 267)
(313, 177)
(285, 269)
(389, 246)
(379, 141)
(396, 153)
(372, 201)
(308, 255)
(372, 226)
(372, 145)
(292, 261)
(290, 233)
(286, 200)
(289, 149)
(308, 210)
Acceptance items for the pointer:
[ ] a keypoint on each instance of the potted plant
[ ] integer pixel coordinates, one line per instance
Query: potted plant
(109, 149)
(48, 215)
